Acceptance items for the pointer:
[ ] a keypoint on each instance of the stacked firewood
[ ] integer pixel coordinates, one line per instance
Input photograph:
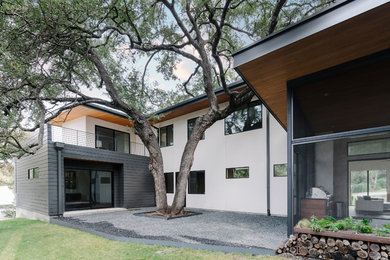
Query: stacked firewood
(306, 245)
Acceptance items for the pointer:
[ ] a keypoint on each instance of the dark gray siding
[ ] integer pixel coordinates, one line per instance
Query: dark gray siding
(133, 182)
(33, 194)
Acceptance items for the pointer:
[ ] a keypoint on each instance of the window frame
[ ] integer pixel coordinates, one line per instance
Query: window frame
(188, 129)
(166, 137)
(243, 167)
(247, 107)
(204, 182)
(31, 174)
(114, 139)
(173, 182)
(279, 164)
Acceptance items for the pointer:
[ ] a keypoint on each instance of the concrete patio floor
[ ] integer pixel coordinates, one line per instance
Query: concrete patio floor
(212, 228)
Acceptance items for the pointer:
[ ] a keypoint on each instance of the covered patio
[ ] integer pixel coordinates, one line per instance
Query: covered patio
(326, 79)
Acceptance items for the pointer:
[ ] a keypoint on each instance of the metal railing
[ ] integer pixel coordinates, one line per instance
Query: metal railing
(85, 139)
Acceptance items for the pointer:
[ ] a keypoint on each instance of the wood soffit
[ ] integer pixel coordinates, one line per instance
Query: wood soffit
(81, 111)
(357, 37)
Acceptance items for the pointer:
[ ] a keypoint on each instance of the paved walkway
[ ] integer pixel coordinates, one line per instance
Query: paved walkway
(252, 233)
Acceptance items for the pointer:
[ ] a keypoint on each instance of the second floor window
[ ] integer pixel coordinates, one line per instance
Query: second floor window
(166, 136)
(190, 126)
(245, 119)
(113, 140)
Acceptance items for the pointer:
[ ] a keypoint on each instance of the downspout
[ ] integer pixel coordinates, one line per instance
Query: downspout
(268, 164)
(60, 179)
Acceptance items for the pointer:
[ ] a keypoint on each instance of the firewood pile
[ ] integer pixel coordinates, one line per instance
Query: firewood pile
(307, 245)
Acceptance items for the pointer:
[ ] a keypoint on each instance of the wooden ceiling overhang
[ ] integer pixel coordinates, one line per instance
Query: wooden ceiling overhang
(107, 114)
(345, 32)
(90, 111)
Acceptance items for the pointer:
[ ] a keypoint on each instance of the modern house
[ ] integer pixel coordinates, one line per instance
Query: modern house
(91, 159)
(326, 80)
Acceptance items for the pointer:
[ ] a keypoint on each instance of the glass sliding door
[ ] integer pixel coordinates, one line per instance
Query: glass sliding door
(369, 187)
(77, 189)
(101, 189)
(86, 189)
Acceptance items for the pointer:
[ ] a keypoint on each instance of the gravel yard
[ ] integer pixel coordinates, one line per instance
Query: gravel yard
(220, 228)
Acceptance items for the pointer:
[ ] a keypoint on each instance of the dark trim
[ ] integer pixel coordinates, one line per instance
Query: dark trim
(268, 154)
(60, 179)
(188, 131)
(368, 140)
(293, 26)
(159, 138)
(219, 91)
(189, 179)
(226, 173)
(340, 135)
(260, 98)
(114, 136)
(107, 110)
(290, 159)
(251, 104)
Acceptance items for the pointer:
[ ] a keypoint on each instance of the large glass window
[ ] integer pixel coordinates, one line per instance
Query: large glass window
(190, 126)
(113, 140)
(237, 173)
(166, 136)
(369, 147)
(245, 119)
(196, 182)
(169, 182)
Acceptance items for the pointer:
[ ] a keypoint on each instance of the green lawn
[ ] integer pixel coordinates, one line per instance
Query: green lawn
(28, 239)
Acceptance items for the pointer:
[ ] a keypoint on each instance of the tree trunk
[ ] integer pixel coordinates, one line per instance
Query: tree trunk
(187, 159)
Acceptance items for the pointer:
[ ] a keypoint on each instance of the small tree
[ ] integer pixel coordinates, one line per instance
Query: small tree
(54, 50)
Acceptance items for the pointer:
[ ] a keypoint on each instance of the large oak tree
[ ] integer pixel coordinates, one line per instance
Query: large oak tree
(53, 51)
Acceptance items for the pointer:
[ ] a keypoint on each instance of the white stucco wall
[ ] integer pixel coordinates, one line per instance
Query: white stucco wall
(218, 152)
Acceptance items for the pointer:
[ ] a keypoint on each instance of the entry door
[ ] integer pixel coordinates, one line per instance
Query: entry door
(101, 189)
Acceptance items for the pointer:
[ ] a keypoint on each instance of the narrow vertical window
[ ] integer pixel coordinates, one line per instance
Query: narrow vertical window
(166, 136)
(190, 127)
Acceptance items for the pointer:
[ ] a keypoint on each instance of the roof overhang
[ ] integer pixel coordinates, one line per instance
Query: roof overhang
(344, 32)
(92, 110)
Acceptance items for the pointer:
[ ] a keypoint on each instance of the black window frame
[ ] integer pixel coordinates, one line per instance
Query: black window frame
(166, 139)
(248, 120)
(277, 165)
(173, 182)
(233, 168)
(192, 120)
(204, 183)
(33, 173)
(113, 138)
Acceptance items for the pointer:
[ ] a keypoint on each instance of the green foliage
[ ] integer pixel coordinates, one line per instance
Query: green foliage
(9, 213)
(381, 231)
(304, 223)
(362, 226)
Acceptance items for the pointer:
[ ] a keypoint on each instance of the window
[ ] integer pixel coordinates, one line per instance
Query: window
(237, 173)
(369, 147)
(280, 170)
(113, 140)
(169, 182)
(196, 182)
(245, 119)
(33, 173)
(166, 136)
(190, 126)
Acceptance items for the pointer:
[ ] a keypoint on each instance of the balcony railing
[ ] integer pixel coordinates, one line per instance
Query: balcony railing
(85, 139)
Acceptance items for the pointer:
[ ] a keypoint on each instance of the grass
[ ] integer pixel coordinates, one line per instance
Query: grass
(29, 239)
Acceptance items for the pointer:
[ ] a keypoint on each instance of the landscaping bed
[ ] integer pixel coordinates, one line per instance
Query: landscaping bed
(337, 239)
(154, 214)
